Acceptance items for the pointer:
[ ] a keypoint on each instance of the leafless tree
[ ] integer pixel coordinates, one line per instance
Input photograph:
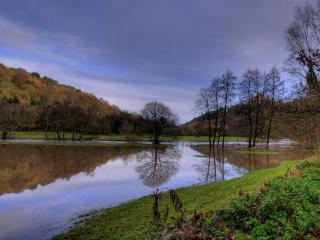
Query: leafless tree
(259, 88)
(204, 106)
(227, 89)
(158, 117)
(275, 91)
(303, 40)
(215, 89)
(248, 88)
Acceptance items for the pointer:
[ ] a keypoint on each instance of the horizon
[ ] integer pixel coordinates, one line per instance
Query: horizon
(159, 51)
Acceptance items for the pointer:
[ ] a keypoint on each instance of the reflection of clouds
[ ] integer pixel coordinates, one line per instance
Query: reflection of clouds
(158, 165)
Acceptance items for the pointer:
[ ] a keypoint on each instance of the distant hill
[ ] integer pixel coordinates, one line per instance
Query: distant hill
(19, 86)
(235, 125)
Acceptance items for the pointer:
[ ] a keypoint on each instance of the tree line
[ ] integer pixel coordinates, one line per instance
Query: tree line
(253, 105)
(62, 117)
(256, 96)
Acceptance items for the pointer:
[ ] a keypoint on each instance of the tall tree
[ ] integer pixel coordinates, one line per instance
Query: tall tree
(303, 40)
(204, 106)
(228, 88)
(274, 92)
(258, 99)
(247, 94)
(215, 89)
(158, 117)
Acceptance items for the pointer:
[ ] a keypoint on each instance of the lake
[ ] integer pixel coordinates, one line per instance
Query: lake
(44, 188)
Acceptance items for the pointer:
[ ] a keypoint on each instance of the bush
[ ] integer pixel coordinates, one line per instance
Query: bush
(285, 208)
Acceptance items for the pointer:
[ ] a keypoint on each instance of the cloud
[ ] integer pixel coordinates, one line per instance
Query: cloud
(128, 96)
(130, 52)
(57, 47)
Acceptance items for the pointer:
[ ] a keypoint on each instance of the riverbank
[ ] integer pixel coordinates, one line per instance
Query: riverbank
(128, 221)
(68, 136)
(76, 144)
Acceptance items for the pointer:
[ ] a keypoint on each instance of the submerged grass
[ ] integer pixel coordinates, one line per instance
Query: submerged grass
(129, 220)
(259, 151)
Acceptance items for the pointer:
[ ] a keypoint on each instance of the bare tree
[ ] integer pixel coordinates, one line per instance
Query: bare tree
(158, 117)
(215, 89)
(247, 93)
(274, 92)
(303, 40)
(204, 106)
(227, 88)
(258, 92)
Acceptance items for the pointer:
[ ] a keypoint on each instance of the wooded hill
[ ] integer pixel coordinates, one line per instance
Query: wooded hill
(30, 102)
(19, 86)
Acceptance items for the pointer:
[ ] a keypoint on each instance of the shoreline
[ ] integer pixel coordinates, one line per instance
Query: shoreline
(129, 220)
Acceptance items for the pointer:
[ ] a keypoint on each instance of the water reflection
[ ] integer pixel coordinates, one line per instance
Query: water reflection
(211, 166)
(26, 167)
(158, 165)
(43, 187)
(216, 164)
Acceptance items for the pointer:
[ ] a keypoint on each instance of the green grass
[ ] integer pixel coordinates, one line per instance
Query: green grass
(78, 144)
(52, 135)
(128, 220)
(259, 151)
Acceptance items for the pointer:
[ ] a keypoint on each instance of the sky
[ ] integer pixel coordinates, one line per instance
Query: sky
(130, 52)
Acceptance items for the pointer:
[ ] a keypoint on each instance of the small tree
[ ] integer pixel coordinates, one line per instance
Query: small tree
(204, 106)
(159, 118)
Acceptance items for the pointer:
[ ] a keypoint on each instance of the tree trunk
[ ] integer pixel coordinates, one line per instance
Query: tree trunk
(209, 128)
(156, 133)
(270, 120)
(216, 126)
(217, 116)
(250, 123)
(256, 121)
(4, 135)
(58, 134)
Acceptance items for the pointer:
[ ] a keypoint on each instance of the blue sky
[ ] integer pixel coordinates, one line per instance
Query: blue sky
(131, 52)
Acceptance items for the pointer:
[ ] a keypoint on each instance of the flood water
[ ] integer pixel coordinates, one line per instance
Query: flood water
(44, 188)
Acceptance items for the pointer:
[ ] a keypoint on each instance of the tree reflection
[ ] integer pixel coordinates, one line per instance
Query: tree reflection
(27, 166)
(211, 169)
(158, 165)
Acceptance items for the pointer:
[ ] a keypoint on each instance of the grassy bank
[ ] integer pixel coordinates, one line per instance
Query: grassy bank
(51, 135)
(128, 221)
(80, 144)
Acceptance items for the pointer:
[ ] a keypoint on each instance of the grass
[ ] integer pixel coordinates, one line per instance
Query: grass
(78, 144)
(259, 151)
(128, 221)
(285, 208)
(52, 135)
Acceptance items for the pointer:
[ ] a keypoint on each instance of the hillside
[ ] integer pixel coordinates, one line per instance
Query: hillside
(30, 102)
(19, 86)
(237, 122)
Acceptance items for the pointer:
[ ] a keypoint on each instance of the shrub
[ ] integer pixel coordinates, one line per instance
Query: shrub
(286, 208)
